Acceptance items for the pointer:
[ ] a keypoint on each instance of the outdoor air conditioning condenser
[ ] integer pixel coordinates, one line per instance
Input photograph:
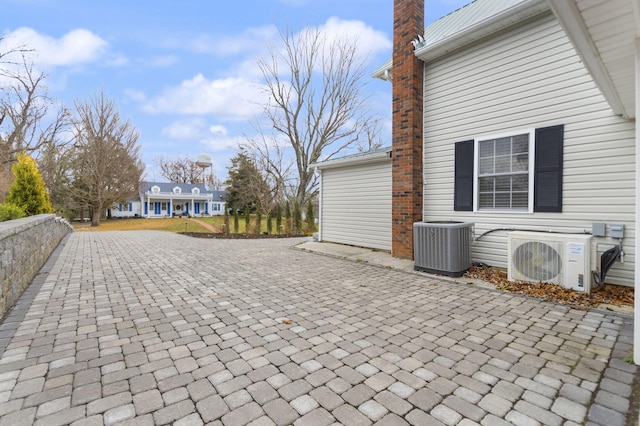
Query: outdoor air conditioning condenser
(442, 247)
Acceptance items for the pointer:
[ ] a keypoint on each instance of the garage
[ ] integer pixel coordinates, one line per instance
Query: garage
(355, 199)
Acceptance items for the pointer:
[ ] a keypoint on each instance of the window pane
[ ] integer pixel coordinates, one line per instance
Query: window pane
(520, 144)
(520, 183)
(503, 164)
(486, 184)
(485, 201)
(485, 149)
(520, 163)
(486, 166)
(520, 200)
(503, 184)
(503, 146)
(503, 201)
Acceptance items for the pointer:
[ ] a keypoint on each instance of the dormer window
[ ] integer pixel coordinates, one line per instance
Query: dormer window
(155, 189)
(177, 190)
(195, 191)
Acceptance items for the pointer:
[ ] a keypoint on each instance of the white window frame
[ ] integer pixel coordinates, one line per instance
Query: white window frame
(476, 170)
(177, 190)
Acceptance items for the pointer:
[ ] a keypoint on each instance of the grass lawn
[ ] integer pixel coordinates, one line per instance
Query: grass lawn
(170, 224)
(167, 224)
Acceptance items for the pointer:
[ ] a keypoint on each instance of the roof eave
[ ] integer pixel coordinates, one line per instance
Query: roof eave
(384, 72)
(571, 21)
(364, 158)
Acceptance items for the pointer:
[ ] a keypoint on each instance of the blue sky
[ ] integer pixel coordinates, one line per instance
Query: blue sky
(184, 73)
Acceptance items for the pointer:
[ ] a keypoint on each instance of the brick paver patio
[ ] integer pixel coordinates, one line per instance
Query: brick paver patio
(156, 328)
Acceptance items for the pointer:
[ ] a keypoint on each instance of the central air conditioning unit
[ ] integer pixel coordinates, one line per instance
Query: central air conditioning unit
(442, 247)
(563, 259)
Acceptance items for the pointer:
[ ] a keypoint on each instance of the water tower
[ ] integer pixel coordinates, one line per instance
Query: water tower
(204, 161)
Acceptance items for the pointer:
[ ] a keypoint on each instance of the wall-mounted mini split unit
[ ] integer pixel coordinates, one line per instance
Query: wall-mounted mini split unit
(563, 259)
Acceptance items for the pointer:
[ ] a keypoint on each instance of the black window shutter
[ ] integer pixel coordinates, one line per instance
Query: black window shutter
(463, 183)
(547, 195)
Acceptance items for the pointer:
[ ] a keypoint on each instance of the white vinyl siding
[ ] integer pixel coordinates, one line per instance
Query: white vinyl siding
(531, 77)
(356, 205)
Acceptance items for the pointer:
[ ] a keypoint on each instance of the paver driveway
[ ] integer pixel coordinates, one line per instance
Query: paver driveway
(158, 328)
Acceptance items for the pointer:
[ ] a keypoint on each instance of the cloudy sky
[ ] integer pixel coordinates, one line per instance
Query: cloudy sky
(185, 72)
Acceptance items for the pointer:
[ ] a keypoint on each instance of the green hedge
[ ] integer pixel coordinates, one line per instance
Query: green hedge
(10, 212)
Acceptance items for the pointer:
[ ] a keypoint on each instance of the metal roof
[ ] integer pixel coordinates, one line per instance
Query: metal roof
(467, 16)
(184, 187)
(471, 22)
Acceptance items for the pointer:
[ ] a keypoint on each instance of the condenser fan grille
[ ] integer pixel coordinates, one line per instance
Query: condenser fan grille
(537, 261)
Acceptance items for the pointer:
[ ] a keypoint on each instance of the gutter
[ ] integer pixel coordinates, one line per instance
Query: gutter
(362, 158)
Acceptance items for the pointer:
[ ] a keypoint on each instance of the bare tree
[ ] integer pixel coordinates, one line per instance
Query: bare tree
(372, 139)
(316, 106)
(180, 169)
(27, 121)
(106, 160)
(214, 183)
(270, 157)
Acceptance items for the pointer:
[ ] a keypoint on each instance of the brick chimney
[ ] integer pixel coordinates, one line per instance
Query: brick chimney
(408, 23)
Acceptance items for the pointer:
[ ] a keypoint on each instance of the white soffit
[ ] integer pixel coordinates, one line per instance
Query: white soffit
(604, 33)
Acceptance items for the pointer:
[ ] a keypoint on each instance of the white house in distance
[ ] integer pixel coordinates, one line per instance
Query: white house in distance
(166, 199)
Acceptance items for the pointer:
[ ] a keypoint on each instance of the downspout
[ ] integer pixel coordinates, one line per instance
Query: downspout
(636, 323)
(320, 205)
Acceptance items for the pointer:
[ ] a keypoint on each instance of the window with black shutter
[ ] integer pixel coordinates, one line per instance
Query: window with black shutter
(501, 173)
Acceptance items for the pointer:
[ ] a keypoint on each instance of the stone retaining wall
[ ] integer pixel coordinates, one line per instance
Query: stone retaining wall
(25, 245)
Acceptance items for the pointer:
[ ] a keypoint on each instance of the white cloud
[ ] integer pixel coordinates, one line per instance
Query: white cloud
(369, 41)
(218, 130)
(76, 47)
(136, 95)
(217, 144)
(116, 60)
(250, 40)
(232, 98)
(210, 137)
(244, 43)
(185, 129)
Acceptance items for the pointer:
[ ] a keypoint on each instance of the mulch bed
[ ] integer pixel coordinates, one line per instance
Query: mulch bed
(237, 236)
(608, 293)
